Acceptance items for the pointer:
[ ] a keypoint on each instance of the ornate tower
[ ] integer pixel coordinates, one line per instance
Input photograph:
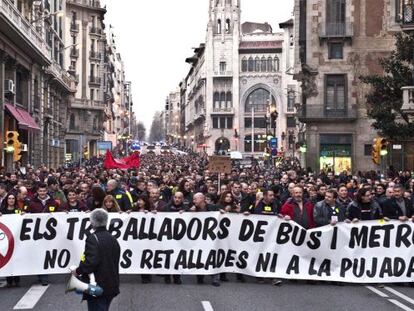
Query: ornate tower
(222, 72)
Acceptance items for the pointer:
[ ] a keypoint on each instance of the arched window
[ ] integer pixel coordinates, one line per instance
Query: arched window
(259, 99)
(276, 66)
(216, 100)
(218, 26)
(263, 64)
(257, 64)
(72, 121)
(244, 64)
(251, 64)
(269, 64)
(222, 100)
(229, 100)
(228, 28)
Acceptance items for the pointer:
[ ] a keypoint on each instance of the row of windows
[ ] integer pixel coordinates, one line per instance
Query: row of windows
(223, 100)
(227, 122)
(222, 122)
(260, 64)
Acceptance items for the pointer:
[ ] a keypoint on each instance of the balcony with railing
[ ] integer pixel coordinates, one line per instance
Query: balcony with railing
(199, 114)
(221, 73)
(74, 27)
(336, 30)
(24, 34)
(90, 3)
(95, 31)
(223, 110)
(88, 104)
(62, 76)
(94, 80)
(321, 113)
(74, 52)
(95, 55)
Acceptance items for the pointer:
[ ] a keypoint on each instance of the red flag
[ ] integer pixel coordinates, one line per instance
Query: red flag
(132, 161)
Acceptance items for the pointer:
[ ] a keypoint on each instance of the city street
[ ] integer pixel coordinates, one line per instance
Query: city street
(230, 296)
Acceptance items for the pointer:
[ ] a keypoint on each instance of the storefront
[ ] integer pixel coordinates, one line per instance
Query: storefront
(335, 152)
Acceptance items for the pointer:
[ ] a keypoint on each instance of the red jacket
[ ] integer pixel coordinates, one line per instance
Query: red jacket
(50, 206)
(288, 209)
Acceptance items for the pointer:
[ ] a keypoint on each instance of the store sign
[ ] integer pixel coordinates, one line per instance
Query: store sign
(104, 145)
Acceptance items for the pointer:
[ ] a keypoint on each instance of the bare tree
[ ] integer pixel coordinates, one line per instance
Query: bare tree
(141, 131)
(157, 128)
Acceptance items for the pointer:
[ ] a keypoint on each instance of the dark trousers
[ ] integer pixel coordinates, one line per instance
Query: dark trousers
(99, 303)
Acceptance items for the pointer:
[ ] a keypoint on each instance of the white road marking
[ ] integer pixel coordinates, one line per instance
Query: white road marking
(376, 291)
(399, 304)
(397, 293)
(30, 299)
(207, 306)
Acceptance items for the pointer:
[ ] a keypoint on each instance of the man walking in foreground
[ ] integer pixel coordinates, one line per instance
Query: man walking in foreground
(101, 257)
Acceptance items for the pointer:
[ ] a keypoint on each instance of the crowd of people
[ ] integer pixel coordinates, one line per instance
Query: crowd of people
(183, 183)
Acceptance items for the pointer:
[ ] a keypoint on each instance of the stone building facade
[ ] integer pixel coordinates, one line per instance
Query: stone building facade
(85, 34)
(35, 90)
(337, 42)
(239, 74)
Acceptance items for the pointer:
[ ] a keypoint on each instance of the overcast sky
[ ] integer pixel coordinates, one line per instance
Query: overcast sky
(155, 37)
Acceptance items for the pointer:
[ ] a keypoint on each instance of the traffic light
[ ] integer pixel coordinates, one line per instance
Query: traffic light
(11, 136)
(85, 151)
(13, 145)
(376, 151)
(384, 146)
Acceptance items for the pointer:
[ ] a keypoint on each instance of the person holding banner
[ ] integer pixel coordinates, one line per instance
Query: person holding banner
(101, 257)
(200, 205)
(364, 207)
(328, 211)
(73, 203)
(398, 207)
(298, 209)
(10, 208)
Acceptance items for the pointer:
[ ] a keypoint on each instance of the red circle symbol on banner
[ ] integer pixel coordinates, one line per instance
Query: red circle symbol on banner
(6, 237)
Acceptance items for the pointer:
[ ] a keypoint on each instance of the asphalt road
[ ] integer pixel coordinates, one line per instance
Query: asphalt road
(229, 296)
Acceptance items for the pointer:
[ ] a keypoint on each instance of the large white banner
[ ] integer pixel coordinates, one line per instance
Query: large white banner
(209, 243)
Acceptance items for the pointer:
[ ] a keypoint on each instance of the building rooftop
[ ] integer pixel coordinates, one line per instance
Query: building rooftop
(249, 27)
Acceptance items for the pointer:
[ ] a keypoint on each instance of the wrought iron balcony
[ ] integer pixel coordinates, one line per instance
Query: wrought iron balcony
(336, 30)
(88, 104)
(223, 110)
(24, 34)
(321, 113)
(74, 27)
(95, 55)
(91, 3)
(95, 31)
(74, 52)
(94, 80)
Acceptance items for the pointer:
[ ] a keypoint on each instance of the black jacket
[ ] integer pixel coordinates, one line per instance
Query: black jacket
(369, 211)
(392, 210)
(101, 257)
(122, 199)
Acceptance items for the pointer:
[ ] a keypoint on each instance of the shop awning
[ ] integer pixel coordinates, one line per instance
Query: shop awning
(28, 119)
(23, 118)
